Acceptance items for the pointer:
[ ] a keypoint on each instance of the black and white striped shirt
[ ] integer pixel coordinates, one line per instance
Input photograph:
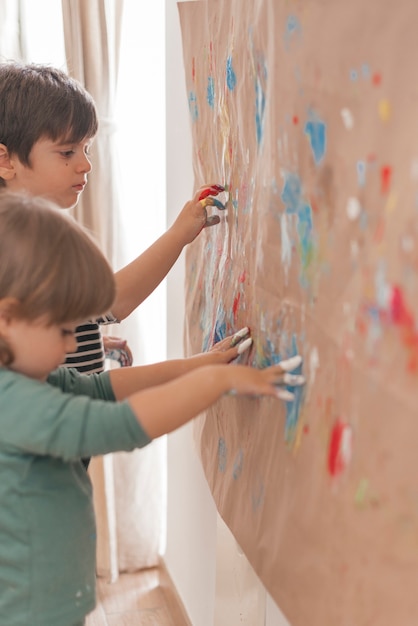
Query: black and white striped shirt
(89, 357)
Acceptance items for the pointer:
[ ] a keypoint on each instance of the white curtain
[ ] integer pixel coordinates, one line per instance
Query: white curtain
(128, 488)
(10, 38)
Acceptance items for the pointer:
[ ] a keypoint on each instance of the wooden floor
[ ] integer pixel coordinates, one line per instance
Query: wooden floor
(145, 598)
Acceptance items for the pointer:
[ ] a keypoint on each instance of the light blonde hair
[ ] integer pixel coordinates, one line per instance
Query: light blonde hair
(49, 265)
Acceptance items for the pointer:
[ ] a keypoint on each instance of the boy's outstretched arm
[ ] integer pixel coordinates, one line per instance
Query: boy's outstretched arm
(137, 280)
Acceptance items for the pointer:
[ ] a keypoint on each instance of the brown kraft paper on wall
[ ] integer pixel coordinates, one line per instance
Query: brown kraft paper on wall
(308, 112)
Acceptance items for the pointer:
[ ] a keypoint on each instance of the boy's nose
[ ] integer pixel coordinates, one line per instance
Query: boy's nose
(84, 164)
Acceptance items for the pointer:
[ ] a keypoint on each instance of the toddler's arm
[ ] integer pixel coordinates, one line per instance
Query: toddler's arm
(165, 408)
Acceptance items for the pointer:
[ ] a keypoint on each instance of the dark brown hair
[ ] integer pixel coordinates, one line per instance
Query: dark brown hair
(39, 101)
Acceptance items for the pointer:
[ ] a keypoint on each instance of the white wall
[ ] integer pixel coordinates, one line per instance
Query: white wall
(201, 551)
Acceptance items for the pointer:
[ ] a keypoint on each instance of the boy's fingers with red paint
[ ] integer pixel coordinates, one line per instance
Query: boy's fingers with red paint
(193, 217)
(206, 198)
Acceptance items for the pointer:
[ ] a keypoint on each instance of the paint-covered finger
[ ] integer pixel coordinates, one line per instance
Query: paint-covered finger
(213, 189)
(283, 394)
(294, 380)
(245, 345)
(290, 364)
(239, 336)
(212, 220)
(209, 201)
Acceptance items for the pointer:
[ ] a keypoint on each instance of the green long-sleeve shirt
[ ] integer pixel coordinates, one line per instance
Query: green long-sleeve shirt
(47, 527)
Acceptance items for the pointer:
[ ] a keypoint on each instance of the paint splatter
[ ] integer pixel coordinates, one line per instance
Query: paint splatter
(340, 448)
(293, 29)
(194, 111)
(260, 105)
(222, 455)
(238, 464)
(361, 173)
(404, 319)
(316, 131)
(295, 204)
(348, 119)
(376, 79)
(384, 110)
(231, 79)
(210, 92)
(385, 179)
(257, 495)
(353, 208)
(260, 79)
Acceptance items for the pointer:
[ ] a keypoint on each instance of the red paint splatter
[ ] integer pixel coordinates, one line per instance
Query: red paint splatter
(314, 205)
(235, 306)
(242, 277)
(385, 178)
(295, 120)
(404, 319)
(339, 452)
(376, 79)
(306, 429)
(193, 69)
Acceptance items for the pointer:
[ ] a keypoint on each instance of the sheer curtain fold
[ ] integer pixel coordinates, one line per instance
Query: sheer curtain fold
(127, 487)
(10, 30)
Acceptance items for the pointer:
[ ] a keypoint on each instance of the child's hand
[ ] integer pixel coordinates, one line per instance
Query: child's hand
(270, 381)
(232, 346)
(118, 350)
(194, 216)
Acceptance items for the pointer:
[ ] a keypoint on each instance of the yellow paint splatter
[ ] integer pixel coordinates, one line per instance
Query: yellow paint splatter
(384, 110)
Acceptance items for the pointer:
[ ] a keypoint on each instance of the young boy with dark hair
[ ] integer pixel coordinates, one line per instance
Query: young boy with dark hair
(47, 125)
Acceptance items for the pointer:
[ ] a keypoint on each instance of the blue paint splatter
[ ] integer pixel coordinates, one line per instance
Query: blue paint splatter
(292, 25)
(231, 79)
(220, 331)
(295, 204)
(293, 408)
(257, 495)
(293, 29)
(361, 173)
(260, 105)
(316, 130)
(210, 92)
(238, 463)
(222, 455)
(353, 75)
(193, 108)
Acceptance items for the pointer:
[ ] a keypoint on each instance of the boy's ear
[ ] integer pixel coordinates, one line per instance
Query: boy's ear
(7, 170)
(8, 309)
